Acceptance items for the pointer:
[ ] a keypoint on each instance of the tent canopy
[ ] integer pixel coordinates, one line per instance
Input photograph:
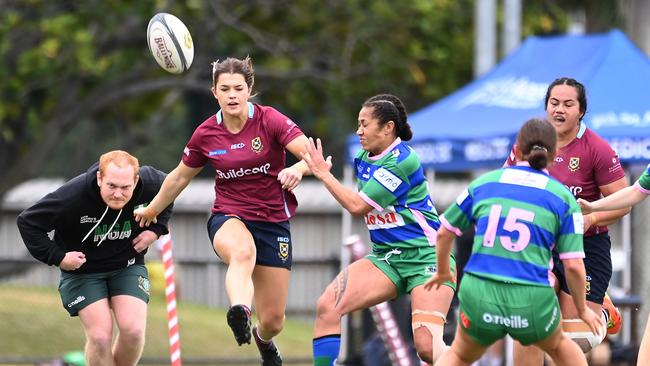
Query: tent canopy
(475, 126)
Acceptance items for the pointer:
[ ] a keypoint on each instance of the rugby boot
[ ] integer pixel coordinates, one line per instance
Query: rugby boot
(269, 352)
(614, 319)
(239, 320)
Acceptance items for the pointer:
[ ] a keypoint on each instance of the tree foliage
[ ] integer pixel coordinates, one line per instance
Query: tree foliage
(77, 78)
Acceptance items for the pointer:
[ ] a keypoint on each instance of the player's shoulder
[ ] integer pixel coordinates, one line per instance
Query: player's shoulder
(490, 176)
(361, 155)
(76, 185)
(269, 116)
(591, 135)
(264, 112)
(264, 109)
(210, 121)
(151, 179)
(594, 142)
(554, 183)
(559, 189)
(404, 155)
(401, 160)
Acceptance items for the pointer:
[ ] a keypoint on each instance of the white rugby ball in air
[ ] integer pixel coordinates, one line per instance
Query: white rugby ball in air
(170, 43)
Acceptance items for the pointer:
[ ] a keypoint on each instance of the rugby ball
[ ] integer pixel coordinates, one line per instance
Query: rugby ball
(170, 43)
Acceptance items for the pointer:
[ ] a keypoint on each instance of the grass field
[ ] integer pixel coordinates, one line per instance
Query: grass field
(34, 324)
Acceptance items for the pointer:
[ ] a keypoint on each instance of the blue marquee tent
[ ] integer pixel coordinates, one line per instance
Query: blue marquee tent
(475, 126)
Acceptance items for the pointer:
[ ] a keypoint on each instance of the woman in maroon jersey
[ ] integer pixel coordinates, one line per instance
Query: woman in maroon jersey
(245, 144)
(589, 167)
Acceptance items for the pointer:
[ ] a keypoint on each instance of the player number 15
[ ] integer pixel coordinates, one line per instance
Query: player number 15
(513, 223)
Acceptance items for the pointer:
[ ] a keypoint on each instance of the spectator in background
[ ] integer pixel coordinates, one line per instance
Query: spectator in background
(100, 250)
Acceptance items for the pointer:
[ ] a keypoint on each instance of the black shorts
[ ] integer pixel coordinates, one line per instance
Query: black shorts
(598, 266)
(272, 239)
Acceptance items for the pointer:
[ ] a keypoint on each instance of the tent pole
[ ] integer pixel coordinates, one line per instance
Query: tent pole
(511, 31)
(485, 38)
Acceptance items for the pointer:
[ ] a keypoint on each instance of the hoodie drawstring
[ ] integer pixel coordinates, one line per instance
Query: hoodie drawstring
(110, 228)
(97, 224)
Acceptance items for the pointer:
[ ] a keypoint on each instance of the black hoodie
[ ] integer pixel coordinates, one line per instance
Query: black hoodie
(80, 220)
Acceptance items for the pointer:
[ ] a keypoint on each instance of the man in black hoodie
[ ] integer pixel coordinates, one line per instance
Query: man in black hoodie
(100, 250)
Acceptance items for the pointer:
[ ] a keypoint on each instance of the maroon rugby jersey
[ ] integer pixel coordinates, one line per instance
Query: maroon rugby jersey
(583, 165)
(247, 163)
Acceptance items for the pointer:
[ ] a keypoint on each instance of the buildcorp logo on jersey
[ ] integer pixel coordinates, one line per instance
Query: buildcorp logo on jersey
(238, 173)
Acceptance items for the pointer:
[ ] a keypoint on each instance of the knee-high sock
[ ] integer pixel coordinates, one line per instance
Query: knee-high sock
(326, 349)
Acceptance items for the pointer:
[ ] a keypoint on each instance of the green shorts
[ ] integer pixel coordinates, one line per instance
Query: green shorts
(408, 268)
(79, 290)
(489, 310)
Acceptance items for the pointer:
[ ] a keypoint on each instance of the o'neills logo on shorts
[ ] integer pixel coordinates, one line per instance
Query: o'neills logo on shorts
(76, 301)
(513, 321)
(232, 173)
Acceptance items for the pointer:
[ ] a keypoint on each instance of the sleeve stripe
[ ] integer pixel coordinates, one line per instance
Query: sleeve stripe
(429, 232)
(371, 202)
(572, 255)
(449, 226)
(641, 189)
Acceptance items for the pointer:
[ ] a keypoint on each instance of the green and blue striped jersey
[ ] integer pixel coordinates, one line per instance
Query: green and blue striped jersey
(521, 215)
(394, 184)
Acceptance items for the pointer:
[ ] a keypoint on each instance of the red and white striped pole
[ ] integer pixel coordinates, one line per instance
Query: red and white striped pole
(170, 295)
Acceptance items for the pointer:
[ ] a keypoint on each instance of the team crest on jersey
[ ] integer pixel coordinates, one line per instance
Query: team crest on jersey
(256, 144)
(284, 251)
(143, 283)
(588, 284)
(574, 164)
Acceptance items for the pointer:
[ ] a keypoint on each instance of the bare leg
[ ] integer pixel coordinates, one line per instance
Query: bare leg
(527, 355)
(463, 352)
(562, 350)
(428, 338)
(234, 244)
(494, 354)
(271, 291)
(569, 312)
(131, 318)
(358, 286)
(98, 326)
